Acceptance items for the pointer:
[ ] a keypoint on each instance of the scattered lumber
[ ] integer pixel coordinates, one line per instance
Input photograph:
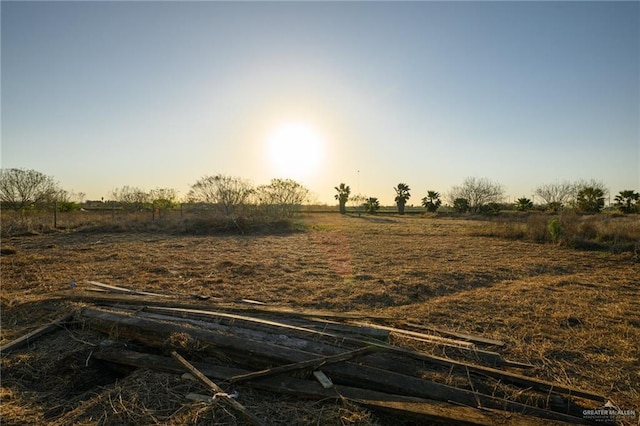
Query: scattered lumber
(219, 392)
(315, 363)
(491, 357)
(252, 341)
(321, 355)
(35, 334)
(502, 375)
(112, 299)
(411, 407)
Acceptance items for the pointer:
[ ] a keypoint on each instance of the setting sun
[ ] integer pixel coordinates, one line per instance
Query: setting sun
(295, 150)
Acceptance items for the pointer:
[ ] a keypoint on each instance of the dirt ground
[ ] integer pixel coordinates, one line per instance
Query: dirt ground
(573, 314)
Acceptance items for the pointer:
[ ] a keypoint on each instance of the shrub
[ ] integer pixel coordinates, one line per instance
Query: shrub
(67, 206)
(537, 228)
(490, 208)
(461, 205)
(555, 229)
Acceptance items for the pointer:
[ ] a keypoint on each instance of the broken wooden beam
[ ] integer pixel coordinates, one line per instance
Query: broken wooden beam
(490, 357)
(219, 392)
(505, 376)
(35, 334)
(312, 363)
(417, 408)
(347, 373)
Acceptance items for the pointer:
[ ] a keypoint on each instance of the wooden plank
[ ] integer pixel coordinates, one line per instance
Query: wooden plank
(253, 302)
(519, 379)
(213, 303)
(334, 326)
(487, 356)
(505, 376)
(421, 336)
(35, 334)
(464, 336)
(125, 290)
(224, 397)
(491, 357)
(348, 373)
(323, 379)
(417, 408)
(312, 363)
(264, 334)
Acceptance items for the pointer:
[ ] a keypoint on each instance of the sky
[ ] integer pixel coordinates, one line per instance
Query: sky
(158, 94)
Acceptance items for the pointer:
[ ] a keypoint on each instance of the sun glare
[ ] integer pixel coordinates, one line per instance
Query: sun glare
(295, 150)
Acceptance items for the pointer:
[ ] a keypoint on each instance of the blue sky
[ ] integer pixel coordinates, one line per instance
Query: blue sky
(158, 94)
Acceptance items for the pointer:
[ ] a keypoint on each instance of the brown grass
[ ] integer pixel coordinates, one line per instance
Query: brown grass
(610, 232)
(572, 313)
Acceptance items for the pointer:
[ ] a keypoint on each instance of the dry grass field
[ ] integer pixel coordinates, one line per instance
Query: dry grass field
(573, 314)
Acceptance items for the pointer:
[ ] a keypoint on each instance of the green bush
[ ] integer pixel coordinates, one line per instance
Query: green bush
(461, 205)
(555, 229)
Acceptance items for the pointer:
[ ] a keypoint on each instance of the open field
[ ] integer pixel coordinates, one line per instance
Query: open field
(573, 314)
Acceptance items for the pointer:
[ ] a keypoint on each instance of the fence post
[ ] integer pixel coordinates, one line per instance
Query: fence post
(55, 214)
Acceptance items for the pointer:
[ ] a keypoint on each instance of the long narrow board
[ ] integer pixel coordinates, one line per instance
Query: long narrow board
(417, 408)
(463, 336)
(125, 290)
(35, 334)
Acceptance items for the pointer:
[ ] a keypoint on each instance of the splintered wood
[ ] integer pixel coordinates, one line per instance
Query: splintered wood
(454, 377)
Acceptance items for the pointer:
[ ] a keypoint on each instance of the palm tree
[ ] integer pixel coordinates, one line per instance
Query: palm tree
(432, 201)
(402, 195)
(590, 199)
(523, 204)
(372, 205)
(627, 201)
(343, 196)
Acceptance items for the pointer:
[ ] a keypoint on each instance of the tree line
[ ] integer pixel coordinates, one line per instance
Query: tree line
(29, 190)
(481, 195)
(25, 191)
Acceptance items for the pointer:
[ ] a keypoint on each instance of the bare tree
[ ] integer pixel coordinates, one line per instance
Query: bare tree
(478, 192)
(559, 194)
(282, 197)
(163, 198)
(21, 189)
(131, 197)
(556, 195)
(227, 192)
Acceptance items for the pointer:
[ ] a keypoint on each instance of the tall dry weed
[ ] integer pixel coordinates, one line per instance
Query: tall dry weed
(615, 233)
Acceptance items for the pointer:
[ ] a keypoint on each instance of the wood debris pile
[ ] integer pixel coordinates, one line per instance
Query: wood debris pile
(412, 370)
